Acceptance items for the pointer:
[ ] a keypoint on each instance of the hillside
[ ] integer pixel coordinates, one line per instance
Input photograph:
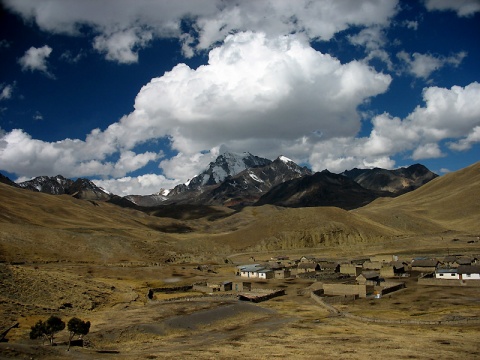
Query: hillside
(36, 226)
(449, 202)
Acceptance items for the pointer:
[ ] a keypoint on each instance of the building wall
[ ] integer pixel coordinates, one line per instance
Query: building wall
(372, 265)
(345, 289)
(384, 258)
(387, 272)
(447, 276)
(471, 277)
(350, 269)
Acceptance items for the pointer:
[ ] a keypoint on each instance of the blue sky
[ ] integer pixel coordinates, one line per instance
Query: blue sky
(142, 95)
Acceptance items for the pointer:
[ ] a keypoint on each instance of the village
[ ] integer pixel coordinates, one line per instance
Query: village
(332, 281)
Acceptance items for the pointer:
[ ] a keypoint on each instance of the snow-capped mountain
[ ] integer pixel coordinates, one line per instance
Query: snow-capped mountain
(243, 188)
(225, 165)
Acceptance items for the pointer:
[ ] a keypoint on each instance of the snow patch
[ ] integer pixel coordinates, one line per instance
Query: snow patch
(254, 177)
(285, 159)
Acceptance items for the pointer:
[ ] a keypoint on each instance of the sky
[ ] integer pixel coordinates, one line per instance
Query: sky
(142, 95)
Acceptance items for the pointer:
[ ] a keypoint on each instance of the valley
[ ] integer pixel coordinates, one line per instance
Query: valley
(97, 261)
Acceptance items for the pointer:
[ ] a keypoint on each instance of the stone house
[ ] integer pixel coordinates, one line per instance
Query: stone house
(281, 273)
(372, 265)
(241, 286)
(265, 274)
(307, 259)
(387, 271)
(350, 269)
(329, 266)
(424, 265)
(307, 267)
(368, 278)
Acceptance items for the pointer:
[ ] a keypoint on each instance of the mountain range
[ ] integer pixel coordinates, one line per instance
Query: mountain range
(239, 180)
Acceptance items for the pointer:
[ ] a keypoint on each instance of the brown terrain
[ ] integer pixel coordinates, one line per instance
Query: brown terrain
(97, 261)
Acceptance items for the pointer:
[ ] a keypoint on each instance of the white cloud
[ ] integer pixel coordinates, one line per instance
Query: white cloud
(21, 154)
(448, 114)
(411, 24)
(118, 26)
(461, 7)
(466, 143)
(6, 91)
(122, 46)
(248, 96)
(373, 39)
(427, 151)
(35, 59)
(140, 185)
(423, 65)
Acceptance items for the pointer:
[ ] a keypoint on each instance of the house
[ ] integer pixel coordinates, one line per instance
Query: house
(462, 272)
(207, 287)
(350, 269)
(329, 266)
(448, 274)
(387, 271)
(307, 267)
(469, 272)
(368, 278)
(399, 267)
(281, 273)
(361, 291)
(241, 286)
(372, 265)
(424, 265)
(249, 271)
(265, 274)
(307, 259)
(464, 260)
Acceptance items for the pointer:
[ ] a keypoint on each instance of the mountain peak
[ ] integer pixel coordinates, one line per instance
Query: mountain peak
(284, 159)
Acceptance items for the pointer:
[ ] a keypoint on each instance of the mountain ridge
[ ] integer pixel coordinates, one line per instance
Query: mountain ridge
(242, 179)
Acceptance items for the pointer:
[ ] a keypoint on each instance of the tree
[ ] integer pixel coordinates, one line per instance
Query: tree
(77, 327)
(47, 329)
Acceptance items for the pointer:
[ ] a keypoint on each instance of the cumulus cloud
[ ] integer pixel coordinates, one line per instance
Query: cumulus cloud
(448, 114)
(461, 7)
(35, 59)
(25, 156)
(125, 29)
(466, 143)
(423, 65)
(140, 185)
(256, 92)
(373, 39)
(122, 46)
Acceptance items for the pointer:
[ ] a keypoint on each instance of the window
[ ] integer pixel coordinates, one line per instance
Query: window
(452, 274)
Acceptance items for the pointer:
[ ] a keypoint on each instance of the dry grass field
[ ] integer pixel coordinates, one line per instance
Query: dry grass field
(96, 261)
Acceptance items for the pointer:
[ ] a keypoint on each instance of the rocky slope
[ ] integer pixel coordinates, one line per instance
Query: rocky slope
(58, 185)
(320, 189)
(396, 181)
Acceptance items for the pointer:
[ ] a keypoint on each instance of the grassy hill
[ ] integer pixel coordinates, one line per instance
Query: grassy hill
(449, 202)
(40, 227)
